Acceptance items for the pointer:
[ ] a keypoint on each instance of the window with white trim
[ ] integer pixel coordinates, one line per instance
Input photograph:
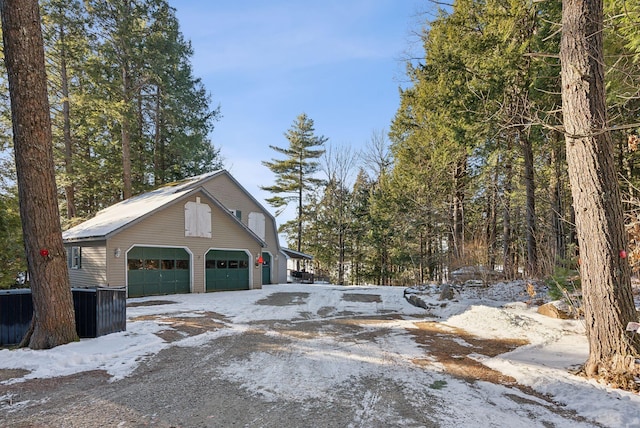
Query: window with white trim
(74, 257)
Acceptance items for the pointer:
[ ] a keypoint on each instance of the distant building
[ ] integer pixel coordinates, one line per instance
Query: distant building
(299, 266)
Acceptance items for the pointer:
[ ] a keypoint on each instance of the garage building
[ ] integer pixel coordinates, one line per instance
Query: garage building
(201, 234)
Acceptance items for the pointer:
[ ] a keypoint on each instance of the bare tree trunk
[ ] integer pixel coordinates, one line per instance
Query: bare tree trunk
(557, 211)
(491, 231)
(159, 159)
(529, 180)
(341, 254)
(507, 235)
(53, 317)
(605, 273)
(300, 202)
(422, 257)
(458, 207)
(69, 188)
(127, 187)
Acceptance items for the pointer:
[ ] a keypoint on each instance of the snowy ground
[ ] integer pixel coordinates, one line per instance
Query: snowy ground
(499, 312)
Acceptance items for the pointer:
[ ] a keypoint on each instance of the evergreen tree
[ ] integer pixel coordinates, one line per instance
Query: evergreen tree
(173, 105)
(383, 225)
(168, 113)
(480, 105)
(333, 222)
(66, 43)
(360, 227)
(128, 114)
(433, 128)
(12, 255)
(295, 173)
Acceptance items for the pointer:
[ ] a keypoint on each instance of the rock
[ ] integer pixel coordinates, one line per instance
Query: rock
(479, 273)
(446, 293)
(515, 305)
(556, 309)
(416, 301)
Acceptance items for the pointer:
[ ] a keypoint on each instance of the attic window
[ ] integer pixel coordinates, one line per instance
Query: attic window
(197, 219)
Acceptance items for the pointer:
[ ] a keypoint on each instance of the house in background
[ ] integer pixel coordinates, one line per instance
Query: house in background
(204, 233)
(299, 266)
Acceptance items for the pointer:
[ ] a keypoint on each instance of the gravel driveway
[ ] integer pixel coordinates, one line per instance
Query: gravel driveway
(327, 367)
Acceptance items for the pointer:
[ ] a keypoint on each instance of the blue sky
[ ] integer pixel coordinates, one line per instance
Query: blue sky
(265, 62)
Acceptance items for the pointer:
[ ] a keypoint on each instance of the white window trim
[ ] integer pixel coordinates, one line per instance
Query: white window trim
(75, 258)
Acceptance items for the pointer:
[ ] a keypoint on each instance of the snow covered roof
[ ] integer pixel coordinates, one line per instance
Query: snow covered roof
(293, 254)
(124, 213)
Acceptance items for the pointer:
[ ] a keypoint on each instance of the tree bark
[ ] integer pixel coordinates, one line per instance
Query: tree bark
(508, 263)
(529, 180)
(459, 179)
(159, 156)
(606, 285)
(300, 201)
(69, 188)
(491, 231)
(53, 318)
(127, 187)
(557, 213)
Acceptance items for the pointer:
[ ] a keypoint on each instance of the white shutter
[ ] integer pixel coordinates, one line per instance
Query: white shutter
(197, 219)
(257, 224)
(204, 220)
(190, 219)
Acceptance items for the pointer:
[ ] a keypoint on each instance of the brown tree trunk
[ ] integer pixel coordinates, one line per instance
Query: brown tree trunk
(508, 263)
(300, 202)
(529, 180)
(422, 257)
(556, 210)
(159, 157)
(127, 187)
(557, 213)
(605, 273)
(69, 188)
(491, 231)
(459, 180)
(341, 254)
(53, 319)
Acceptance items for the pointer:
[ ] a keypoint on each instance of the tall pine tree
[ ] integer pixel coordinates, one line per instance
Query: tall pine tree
(53, 321)
(295, 173)
(605, 273)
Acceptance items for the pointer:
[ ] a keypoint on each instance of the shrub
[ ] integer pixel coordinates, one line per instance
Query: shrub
(563, 282)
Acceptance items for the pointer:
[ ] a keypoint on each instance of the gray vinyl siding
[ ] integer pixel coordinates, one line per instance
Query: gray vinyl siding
(165, 228)
(93, 265)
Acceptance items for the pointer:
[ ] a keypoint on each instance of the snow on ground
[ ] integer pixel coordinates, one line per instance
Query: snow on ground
(555, 346)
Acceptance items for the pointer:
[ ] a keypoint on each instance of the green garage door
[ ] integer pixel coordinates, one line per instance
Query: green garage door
(153, 271)
(227, 270)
